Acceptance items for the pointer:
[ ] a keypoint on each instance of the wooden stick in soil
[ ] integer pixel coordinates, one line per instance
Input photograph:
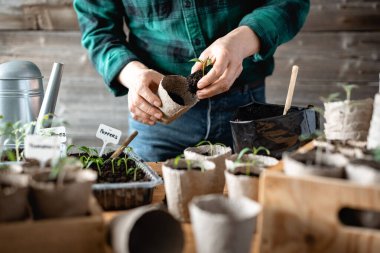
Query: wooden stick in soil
(124, 145)
(292, 84)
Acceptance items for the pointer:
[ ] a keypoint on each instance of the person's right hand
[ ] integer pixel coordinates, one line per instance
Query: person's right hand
(142, 83)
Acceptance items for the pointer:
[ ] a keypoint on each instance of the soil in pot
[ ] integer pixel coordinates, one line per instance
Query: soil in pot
(193, 79)
(176, 98)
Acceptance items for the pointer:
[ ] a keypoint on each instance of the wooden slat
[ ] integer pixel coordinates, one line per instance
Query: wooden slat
(343, 16)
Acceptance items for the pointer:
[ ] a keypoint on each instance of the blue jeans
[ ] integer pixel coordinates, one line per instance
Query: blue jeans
(208, 120)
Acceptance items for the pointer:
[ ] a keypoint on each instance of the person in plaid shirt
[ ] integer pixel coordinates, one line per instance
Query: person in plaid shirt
(240, 36)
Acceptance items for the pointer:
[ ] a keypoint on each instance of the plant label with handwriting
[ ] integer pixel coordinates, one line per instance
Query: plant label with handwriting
(108, 135)
(60, 132)
(42, 148)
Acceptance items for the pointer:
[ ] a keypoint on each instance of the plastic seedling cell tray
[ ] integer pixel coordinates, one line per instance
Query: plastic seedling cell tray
(126, 195)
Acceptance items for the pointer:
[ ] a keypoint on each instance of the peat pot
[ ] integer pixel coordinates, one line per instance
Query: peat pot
(13, 197)
(175, 96)
(258, 124)
(147, 229)
(373, 140)
(348, 120)
(315, 163)
(239, 184)
(223, 225)
(214, 153)
(68, 198)
(181, 185)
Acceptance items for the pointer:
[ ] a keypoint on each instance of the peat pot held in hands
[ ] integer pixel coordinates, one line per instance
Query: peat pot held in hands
(175, 96)
(258, 124)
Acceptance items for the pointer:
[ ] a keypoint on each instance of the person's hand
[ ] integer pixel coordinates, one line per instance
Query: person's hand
(227, 54)
(142, 83)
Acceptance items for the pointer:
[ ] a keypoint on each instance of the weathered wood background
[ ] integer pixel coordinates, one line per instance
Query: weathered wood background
(339, 43)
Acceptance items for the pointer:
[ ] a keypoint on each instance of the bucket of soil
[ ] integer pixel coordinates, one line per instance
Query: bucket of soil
(13, 197)
(185, 179)
(175, 96)
(65, 194)
(148, 229)
(242, 176)
(223, 225)
(214, 153)
(124, 182)
(258, 124)
(315, 163)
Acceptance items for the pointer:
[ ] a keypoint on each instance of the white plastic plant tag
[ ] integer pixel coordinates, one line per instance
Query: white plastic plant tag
(54, 131)
(42, 148)
(108, 135)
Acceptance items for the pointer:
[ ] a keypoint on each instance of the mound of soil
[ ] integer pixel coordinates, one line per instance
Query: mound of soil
(193, 79)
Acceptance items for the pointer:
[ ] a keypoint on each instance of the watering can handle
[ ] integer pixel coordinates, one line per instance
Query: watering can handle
(50, 97)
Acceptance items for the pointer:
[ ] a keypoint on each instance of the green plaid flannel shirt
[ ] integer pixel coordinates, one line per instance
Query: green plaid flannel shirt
(166, 34)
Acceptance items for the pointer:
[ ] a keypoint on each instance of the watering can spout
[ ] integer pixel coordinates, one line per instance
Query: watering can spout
(50, 98)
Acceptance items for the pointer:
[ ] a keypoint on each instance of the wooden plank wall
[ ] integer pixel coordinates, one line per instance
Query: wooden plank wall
(340, 42)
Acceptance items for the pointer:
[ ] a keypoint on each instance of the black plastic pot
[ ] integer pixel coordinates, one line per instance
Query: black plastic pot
(258, 124)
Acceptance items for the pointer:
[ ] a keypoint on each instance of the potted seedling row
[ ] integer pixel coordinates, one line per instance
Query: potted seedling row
(185, 179)
(243, 171)
(123, 182)
(216, 153)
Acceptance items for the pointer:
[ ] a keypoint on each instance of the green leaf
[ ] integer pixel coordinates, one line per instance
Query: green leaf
(242, 153)
(331, 98)
(70, 147)
(255, 150)
(196, 60)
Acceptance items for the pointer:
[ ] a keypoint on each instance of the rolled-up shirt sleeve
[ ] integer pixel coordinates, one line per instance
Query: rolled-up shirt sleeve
(276, 22)
(101, 23)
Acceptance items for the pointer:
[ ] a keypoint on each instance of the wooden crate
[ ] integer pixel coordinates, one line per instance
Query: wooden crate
(301, 215)
(70, 235)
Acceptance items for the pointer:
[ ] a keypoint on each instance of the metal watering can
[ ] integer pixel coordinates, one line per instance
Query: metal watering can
(22, 93)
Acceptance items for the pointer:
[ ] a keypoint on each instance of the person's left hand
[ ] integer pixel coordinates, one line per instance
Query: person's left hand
(227, 54)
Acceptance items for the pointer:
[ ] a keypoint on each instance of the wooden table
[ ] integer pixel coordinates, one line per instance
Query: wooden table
(158, 196)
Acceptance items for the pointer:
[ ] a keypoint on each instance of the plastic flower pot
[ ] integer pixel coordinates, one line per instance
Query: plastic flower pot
(13, 197)
(315, 163)
(181, 185)
(258, 124)
(66, 197)
(243, 178)
(348, 120)
(175, 96)
(223, 225)
(373, 140)
(216, 154)
(146, 229)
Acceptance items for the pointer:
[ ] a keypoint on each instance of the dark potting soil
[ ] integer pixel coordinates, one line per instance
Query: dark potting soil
(260, 111)
(176, 98)
(192, 168)
(119, 173)
(193, 79)
(251, 174)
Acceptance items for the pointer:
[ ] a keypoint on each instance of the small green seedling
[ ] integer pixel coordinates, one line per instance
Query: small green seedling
(205, 63)
(61, 165)
(348, 89)
(253, 162)
(376, 154)
(212, 146)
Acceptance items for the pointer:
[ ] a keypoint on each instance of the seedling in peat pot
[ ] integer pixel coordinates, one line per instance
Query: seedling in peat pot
(255, 151)
(212, 146)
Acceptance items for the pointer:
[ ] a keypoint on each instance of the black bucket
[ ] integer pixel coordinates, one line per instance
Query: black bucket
(258, 124)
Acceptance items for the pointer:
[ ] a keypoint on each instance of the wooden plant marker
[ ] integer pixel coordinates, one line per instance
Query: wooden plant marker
(60, 132)
(292, 85)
